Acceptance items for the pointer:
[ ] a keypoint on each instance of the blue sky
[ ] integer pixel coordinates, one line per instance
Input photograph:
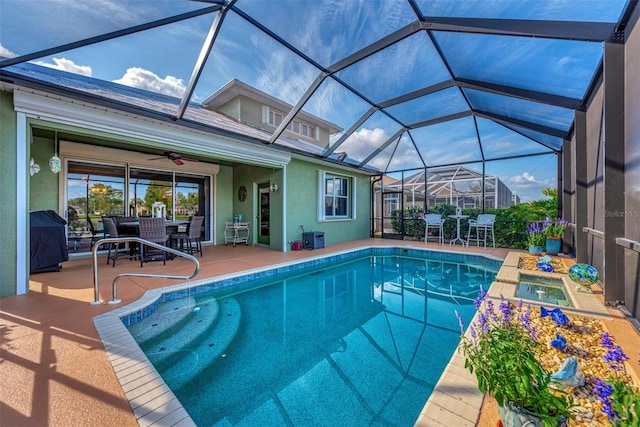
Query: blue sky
(162, 60)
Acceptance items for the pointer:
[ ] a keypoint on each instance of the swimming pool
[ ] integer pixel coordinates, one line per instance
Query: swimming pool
(381, 325)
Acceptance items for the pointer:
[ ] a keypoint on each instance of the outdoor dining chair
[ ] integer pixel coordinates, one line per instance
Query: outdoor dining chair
(484, 223)
(153, 230)
(434, 221)
(189, 241)
(112, 229)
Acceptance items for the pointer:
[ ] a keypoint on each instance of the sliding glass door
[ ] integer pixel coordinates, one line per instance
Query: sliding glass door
(93, 191)
(98, 190)
(148, 188)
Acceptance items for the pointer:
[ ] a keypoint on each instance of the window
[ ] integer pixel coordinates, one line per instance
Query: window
(275, 118)
(336, 196)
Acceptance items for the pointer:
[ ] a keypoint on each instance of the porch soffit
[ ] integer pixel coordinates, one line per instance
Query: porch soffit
(58, 109)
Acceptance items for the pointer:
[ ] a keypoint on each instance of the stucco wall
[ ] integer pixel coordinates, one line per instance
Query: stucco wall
(223, 193)
(231, 109)
(250, 111)
(44, 186)
(632, 168)
(9, 197)
(302, 205)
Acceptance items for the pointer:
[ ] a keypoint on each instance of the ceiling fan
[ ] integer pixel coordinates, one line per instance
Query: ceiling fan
(175, 158)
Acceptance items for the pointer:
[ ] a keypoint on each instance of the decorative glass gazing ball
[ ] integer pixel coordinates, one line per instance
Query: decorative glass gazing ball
(583, 274)
(545, 266)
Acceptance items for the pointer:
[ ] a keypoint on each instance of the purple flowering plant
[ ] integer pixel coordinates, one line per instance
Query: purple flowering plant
(500, 349)
(620, 399)
(554, 227)
(535, 234)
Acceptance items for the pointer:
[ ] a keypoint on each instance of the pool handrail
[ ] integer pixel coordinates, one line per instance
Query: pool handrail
(114, 299)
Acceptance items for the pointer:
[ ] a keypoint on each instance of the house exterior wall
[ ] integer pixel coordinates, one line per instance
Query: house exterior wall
(232, 109)
(632, 168)
(249, 111)
(43, 191)
(224, 191)
(8, 211)
(302, 204)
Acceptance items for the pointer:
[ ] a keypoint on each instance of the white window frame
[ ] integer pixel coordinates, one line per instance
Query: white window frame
(295, 126)
(351, 196)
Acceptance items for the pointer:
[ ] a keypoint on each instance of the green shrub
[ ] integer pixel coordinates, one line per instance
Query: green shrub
(510, 227)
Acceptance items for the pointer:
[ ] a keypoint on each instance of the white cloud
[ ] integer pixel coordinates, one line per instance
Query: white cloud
(528, 187)
(67, 65)
(4, 52)
(144, 79)
(358, 145)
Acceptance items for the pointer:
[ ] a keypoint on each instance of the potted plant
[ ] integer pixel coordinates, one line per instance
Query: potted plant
(553, 230)
(500, 349)
(535, 238)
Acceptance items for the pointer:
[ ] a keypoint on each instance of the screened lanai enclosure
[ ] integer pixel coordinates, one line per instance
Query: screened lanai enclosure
(474, 103)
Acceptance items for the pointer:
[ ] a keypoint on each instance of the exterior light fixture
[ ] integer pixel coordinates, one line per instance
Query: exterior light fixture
(55, 163)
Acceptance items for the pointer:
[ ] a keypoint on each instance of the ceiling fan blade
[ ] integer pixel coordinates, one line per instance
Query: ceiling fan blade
(189, 159)
(178, 162)
(157, 158)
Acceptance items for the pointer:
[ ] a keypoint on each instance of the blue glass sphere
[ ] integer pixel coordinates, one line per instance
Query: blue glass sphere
(583, 274)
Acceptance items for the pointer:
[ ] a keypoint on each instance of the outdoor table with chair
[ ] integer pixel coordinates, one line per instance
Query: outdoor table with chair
(156, 230)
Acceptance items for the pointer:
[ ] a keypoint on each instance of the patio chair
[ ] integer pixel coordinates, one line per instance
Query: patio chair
(434, 221)
(96, 233)
(189, 241)
(112, 229)
(484, 223)
(123, 228)
(153, 230)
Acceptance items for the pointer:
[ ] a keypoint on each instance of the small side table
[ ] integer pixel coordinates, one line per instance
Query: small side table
(458, 218)
(236, 232)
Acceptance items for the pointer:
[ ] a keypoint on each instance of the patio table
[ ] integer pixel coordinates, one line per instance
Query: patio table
(458, 218)
(171, 226)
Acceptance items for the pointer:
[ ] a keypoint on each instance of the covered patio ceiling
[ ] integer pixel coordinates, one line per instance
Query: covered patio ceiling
(411, 83)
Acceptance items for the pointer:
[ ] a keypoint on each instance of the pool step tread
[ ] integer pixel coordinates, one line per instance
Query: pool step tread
(195, 355)
(167, 320)
(161, 340)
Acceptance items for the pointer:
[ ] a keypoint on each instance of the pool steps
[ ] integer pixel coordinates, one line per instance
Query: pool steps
(217, 325)
(165, 320)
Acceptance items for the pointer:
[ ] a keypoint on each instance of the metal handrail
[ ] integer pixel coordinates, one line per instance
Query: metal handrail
(115, 300)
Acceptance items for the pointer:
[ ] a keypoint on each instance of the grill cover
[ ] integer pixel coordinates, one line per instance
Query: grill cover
(48, 241)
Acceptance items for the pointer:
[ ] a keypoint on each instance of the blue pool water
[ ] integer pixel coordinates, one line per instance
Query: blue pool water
(360, 341)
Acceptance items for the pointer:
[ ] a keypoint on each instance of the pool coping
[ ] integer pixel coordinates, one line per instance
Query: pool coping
(454, 401)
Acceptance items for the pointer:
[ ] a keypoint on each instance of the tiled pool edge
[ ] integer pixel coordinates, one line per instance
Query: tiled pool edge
(153, 402)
